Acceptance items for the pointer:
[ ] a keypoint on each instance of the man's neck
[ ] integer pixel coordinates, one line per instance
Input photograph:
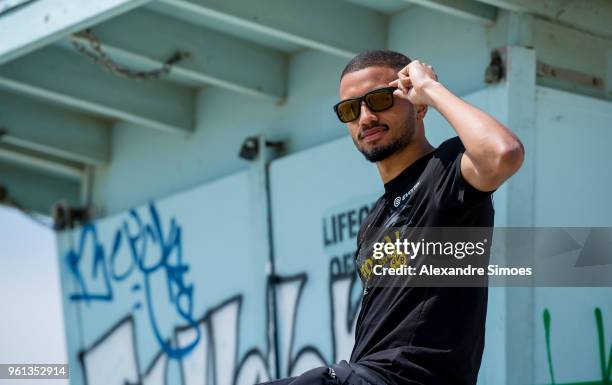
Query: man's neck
(393, 165)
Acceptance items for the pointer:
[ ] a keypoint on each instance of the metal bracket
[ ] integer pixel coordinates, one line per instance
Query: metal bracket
(251, 146)
(496, 72)
(576, 77)
(66, 217)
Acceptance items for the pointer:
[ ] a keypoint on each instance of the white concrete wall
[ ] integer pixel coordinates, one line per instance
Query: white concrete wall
(573, 188)
(32, 326)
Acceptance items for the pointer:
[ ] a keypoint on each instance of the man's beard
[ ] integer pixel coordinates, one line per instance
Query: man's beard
(379, 153)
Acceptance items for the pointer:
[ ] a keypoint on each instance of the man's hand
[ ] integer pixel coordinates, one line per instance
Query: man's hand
(413, 81)
(492, 152)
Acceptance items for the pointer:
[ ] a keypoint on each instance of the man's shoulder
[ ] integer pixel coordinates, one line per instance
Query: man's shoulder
(446, 155)
(450, 147)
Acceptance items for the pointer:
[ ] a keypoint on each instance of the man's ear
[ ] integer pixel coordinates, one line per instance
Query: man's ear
(421, 110)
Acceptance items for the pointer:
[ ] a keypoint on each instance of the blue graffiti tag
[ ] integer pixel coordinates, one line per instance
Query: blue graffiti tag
(150, 250)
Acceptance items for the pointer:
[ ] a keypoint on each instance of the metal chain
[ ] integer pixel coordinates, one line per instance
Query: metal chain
(97, 55)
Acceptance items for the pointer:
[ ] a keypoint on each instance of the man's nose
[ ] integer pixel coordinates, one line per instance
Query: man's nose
(366, 115)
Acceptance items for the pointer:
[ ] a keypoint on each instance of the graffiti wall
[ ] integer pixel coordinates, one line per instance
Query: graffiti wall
(180, 291)
(173, 292)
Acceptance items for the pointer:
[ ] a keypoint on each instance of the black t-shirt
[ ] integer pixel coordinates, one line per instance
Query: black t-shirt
(424, 335)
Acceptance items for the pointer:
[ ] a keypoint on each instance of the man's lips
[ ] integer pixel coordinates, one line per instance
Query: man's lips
(373, 133)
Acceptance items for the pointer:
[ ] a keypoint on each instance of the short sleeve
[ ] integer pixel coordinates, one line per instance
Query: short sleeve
(455, 187)
(470, 193)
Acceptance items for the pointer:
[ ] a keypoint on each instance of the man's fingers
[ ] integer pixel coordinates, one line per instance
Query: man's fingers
(399, 93)
(402, 86)
(399, 84)
(433, 72)
(405, 82)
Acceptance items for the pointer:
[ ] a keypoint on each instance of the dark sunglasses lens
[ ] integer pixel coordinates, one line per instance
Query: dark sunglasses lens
(379, 101)
(348, 111)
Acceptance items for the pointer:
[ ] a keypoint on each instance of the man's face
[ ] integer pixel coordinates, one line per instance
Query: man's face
(377, 135)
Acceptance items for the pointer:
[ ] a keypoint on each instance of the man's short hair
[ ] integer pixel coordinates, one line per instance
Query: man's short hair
(377, 58)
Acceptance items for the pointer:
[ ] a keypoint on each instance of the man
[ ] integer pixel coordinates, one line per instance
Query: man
(418, 335)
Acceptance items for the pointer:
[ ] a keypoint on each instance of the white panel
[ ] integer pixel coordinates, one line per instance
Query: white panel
(309, 188)
(573, 188)
(574, 183)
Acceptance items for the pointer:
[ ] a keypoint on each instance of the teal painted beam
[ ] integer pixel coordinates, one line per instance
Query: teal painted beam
(44, 128)
(69, 79)
(334, 27)
(593, 16)
(389, 7)
(15, 155)
(36, 190)
(50, 20)
(465, 9)
(215, 59)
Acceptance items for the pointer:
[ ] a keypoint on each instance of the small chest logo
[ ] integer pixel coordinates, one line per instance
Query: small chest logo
(399, 199)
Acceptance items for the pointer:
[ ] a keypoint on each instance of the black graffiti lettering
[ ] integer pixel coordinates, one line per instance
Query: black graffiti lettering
(335, 268)
(352, 223)
(349, 265)
(342, 226)
(329, 239)
(342, 265)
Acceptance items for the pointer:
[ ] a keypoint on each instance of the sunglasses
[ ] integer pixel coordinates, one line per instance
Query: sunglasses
(376, 100)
